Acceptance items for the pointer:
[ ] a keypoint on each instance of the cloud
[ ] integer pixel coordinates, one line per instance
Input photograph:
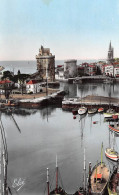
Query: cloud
(47, 2)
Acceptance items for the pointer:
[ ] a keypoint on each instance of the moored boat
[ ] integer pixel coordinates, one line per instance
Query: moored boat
(113, 185)
(82, 190)
(58, 189)
(75, 111)
(92, 110)
(111, 154)
(109, 113)
(99, 178)
(100, 110)
(114, 128)
(82, 110)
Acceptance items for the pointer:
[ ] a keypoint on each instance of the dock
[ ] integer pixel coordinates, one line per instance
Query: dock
(91, 101)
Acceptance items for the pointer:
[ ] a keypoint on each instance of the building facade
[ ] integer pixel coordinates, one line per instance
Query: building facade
(33, 87)
(46, 64)
(70, 68)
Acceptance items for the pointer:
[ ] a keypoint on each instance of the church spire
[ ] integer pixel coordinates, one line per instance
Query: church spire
(110, 47)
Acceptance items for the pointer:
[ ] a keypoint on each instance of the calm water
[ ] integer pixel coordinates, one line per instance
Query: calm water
(44, 134)
(50, 131)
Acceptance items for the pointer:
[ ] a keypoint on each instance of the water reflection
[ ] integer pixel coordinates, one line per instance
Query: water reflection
(90, 88)
(49, 131)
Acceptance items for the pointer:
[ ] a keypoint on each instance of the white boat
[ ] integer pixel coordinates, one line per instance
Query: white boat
(92, 111)
(111, 154)
(109, 113)
(82, 110)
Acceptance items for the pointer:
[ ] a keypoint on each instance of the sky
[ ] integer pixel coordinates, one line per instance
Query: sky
(72, 29)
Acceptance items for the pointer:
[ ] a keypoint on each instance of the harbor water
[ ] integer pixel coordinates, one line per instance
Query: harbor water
(51, 131)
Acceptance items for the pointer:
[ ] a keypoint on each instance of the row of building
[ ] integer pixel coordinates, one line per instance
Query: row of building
(70, 69)
(46, 69)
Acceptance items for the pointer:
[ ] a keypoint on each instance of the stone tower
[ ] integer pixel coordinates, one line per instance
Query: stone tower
(45, 60)
(110, 58)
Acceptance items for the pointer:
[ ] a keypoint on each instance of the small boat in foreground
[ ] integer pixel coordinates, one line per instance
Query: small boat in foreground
(113, 185)
(58, 189)
(82, 110)
(99, 178)
(82, 190)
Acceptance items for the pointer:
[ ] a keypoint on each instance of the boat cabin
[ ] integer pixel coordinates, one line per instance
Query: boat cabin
(98, 177)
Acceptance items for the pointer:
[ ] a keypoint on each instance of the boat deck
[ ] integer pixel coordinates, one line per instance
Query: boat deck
(102, 176)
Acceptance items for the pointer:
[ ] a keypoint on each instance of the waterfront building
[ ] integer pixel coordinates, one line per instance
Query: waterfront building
(116, 71)
(88, 69)
(46, 64)
(33, 86)
(5, 84)
(108, 70)
(59, 74)
(70, 68)
(91, 69)
(110, 57)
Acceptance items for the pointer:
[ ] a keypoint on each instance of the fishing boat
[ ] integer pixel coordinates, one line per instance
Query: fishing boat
(114, 127)
(109, 113)
(92, 110)
(113, 185)
(82, 110)
(82, 190)
(110, 152)
(58, 189)
(99, 178)
(100, 110)
(75, 111)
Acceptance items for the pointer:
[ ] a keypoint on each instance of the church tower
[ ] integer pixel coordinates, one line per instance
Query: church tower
(110, 57)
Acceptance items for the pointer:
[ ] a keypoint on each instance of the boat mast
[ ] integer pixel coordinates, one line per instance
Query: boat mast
(101, 154)
(56, 175)
(84, 182)
(113, 142)
(4, 161)
(48, 181)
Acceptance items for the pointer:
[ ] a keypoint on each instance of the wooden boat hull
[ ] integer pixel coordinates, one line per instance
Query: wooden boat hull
(99, 187)
(59, 191)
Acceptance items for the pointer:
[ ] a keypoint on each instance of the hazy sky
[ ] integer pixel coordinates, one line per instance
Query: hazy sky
(80, 29)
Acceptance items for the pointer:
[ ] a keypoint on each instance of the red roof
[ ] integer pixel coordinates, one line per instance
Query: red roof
(5, 81)
(32, 82)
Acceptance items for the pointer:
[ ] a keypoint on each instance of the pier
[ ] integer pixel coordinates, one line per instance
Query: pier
(91, 101)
